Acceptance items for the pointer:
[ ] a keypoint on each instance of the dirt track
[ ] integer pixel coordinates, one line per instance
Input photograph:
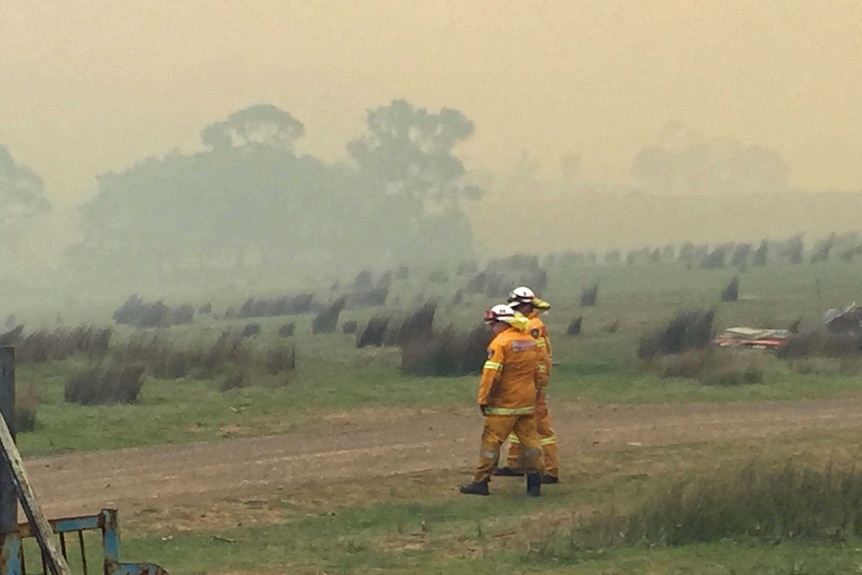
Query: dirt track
(365, 446)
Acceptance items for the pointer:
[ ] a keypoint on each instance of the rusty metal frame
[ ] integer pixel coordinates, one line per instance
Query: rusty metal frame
(105, 521)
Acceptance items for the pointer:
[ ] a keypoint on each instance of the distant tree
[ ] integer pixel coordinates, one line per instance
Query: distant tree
(248, 192)
(761, 255)
(716, 166)
(262, 124)
(411, 151)
(416, 210)
(22, 198)
(249, 198)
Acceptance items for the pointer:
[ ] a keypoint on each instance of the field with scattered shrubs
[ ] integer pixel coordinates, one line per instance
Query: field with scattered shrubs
(628, 328)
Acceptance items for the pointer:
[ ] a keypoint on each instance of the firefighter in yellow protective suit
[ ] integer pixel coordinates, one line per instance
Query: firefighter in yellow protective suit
(523, 300)
(507, 398)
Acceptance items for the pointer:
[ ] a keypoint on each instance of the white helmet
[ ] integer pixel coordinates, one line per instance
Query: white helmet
(524, 295)
(500, 312)
(520, 295)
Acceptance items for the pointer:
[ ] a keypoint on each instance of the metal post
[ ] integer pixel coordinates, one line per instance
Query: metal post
(11, 558)
(8, 497)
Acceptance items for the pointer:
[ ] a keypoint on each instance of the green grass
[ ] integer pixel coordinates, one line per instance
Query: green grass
(504, 533)
(333, 375)
(431, 529)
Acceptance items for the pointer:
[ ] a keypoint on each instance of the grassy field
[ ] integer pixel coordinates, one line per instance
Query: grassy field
(415, 523)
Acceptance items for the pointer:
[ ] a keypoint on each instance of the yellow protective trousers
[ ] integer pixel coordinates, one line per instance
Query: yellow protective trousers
(497, 427)
(547, 438)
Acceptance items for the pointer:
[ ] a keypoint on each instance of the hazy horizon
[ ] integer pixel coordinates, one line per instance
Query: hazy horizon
(92, 86)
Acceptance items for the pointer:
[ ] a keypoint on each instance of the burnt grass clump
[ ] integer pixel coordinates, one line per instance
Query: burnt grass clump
(687, 330)
(280, 306)
(590, 295)
(12, 336)
(139, 313)
(58, 344)
(502, 275)
(349, 327)
(823, 343)
(426, 352)
(371, 297)
(251, 330)
(448, 353)
(575, 326)
(26, 404)
(741, 255)
(280, 359)
(717, 258)
(99, 386)
(716, 367)
(165, 361)
(327, 320)
(731, 291)
(761, 256)
(418, 326)
(374, 332)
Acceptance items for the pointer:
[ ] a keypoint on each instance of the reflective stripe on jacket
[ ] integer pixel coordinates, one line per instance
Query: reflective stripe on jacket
(509, 376)
(536, 328)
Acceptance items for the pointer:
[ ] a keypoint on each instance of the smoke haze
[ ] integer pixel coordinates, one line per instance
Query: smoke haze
(564, 96)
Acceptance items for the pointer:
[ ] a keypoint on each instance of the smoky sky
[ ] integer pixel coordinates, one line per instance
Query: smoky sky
(92, 86)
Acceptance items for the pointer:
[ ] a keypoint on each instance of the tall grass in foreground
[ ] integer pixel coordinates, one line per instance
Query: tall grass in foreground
(770, 504)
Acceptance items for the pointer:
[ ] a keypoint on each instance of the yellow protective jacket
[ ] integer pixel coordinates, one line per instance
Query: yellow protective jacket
(511, 375)
(536, 328)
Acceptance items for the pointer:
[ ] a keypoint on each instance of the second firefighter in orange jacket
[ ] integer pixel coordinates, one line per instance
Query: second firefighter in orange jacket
(507, 398)
(524, 300)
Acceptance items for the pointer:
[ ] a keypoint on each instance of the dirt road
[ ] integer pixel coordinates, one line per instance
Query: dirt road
(366, 445)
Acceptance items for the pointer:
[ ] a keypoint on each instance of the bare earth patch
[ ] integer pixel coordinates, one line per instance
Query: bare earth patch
(354, 458)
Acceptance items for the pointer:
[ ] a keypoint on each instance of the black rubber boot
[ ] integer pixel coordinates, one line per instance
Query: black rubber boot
(475, 488)
(534, 484)
(508, 472)
(550, 479)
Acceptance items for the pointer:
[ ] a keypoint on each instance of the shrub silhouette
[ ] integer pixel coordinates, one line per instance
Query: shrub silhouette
(363, 281)
(374, 332)
(418, 326)
(447, 353)
(589, 295)
(62, 343)
(13, 336)
(349, 327)
(370, 297)
(251, 330)
(327, 320)
(761, 255)
(97, 385)
(821, 342)
(138, 313)
(739, 258)
(280, 359)
(731, 291)
(687, 330)
(284, 305)
(821, 252)
(716, 258)
(25, 410)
